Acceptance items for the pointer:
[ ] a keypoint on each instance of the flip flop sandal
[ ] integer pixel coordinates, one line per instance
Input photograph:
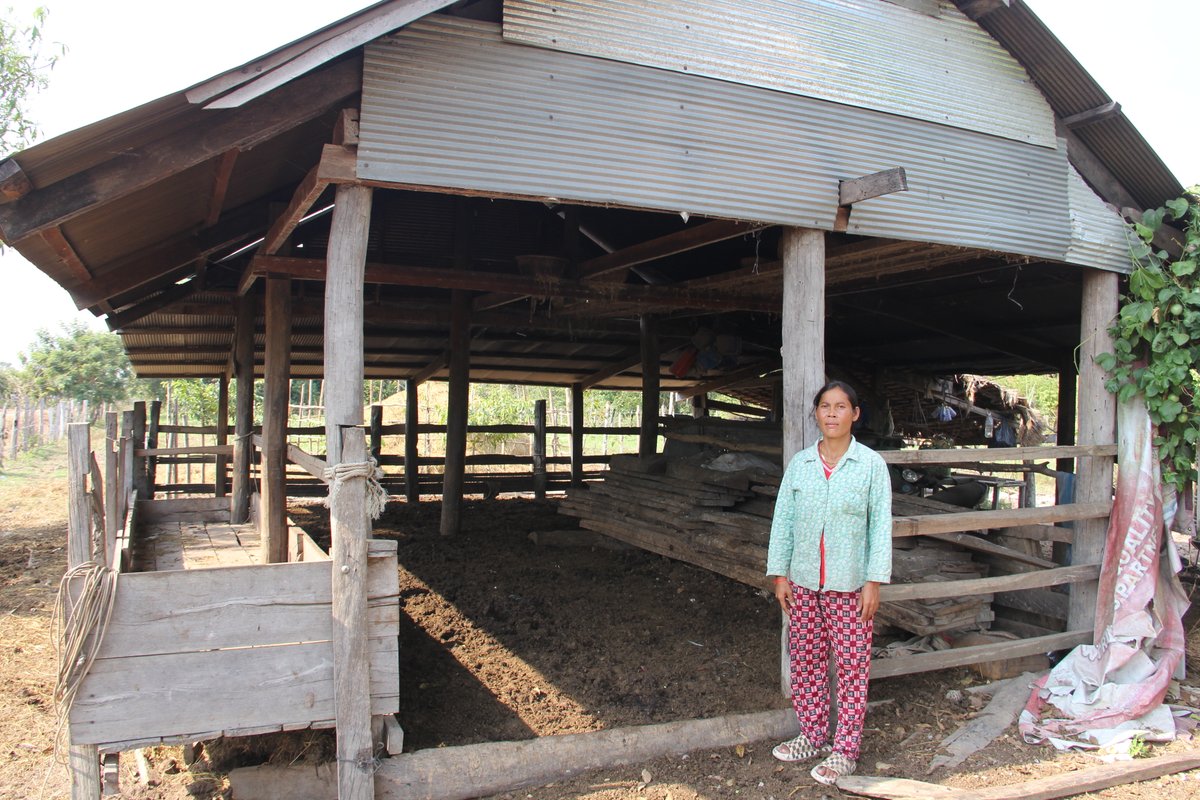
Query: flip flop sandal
(832, 768)
(799, 749)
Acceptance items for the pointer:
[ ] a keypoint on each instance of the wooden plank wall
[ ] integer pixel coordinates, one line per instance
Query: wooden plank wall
(193, 654)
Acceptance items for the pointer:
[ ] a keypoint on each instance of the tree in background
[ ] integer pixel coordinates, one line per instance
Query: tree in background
(23, 68)
(78, 364)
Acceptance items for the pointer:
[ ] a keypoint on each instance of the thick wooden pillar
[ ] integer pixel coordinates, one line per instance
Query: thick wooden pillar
(1097, 425)
(349, 524)
(276, 373)
(648, 438)
(457, 397)
(243, 424)
(83, 760)
(412, 469)
(538, 449)
(576, 434)
(803, 254)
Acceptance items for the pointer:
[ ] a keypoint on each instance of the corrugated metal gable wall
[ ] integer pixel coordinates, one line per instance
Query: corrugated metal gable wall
(447, 103)
(1099, 236)
(864, 53)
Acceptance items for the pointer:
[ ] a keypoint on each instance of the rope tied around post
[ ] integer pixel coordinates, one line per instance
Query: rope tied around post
(377, 496)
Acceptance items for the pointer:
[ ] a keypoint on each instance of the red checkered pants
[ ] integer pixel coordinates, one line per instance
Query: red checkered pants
(818, 621)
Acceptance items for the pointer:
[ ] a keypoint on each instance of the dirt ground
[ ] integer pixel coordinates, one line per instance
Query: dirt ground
(505, 639)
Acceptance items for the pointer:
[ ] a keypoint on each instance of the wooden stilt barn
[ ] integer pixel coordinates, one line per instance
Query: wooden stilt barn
(565, 194)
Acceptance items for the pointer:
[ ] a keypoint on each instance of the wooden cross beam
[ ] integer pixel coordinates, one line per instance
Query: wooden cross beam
(978, 9)
(222, 172)
(730, 378)
(626, 361)
(435, 278)
(14, 184)
(874, 185)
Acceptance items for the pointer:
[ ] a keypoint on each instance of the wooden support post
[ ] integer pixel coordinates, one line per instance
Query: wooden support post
(243, 447)
(700, 405)
(538, 449)
(112, 520)
(1097, 425)
(1065, 433)
(141, 479)
(457, 397)
(345, 443)
(412, 469)
(648, 438)
(125, 457)
(350, 528)
(576, 434)
(83, 759)
(803, 254)
(347, 259)
(152, 441)
(220, 479)
(273, 523)
(376, 430)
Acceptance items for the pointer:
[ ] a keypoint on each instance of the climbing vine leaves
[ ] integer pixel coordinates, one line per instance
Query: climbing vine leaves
(1156, 347)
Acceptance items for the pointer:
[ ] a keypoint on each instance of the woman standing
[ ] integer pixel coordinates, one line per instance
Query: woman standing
(831, 547)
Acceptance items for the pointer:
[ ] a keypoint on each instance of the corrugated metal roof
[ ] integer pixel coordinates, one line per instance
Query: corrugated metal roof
(863, 53)
(1071, 90)
(1099, 236)
(448, 103)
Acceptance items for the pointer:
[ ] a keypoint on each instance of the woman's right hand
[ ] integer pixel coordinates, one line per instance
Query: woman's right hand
(783, 593)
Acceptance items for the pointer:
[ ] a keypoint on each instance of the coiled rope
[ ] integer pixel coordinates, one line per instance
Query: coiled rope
(338, 474)
(82, 610)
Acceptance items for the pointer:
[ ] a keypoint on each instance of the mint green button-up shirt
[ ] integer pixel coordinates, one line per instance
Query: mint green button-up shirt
(853, 507)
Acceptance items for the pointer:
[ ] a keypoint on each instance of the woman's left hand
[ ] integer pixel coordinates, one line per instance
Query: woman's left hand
(868, 601)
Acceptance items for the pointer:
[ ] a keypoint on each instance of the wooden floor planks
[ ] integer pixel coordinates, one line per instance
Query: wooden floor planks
(196, 545)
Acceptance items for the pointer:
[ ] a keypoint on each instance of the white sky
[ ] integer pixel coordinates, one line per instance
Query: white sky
(122, 53)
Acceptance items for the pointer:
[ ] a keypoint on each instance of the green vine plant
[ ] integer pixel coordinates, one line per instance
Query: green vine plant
(1156, 337)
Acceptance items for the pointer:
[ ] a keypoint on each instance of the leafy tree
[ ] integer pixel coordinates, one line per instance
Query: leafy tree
(23, 68)
(1156, 338)
(78, 364)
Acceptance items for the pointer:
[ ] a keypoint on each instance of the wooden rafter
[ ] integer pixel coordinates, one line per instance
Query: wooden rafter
(222, 172)
(432, 368)
(62, 248)
(287, 107)
(174, 294)
(167, 261)
(664, 246)
(626, 361)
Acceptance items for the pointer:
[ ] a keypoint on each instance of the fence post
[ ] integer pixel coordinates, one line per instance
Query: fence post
(220, 488)
(152, 442)
(576, 434)
(83, 759)
(412, 469)
(112, 518)
(138, 431)
(376, 430)
(538, 449)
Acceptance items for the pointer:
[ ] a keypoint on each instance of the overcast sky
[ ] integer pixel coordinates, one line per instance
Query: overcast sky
(122, 53)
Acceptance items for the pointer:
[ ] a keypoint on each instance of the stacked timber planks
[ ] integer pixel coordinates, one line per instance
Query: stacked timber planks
(684, 508)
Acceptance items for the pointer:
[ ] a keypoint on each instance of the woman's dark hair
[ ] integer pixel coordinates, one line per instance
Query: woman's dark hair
(845, 387)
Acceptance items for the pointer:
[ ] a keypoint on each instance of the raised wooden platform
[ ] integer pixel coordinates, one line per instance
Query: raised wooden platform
(165, 546)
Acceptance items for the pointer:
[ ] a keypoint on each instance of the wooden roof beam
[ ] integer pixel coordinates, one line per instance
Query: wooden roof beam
(161, 263)
(430, 277)
(1098, 114)
(432, 368)
(118, 321)
(283, 109)
(669, 245)
(729, 379)
(626, 361)
(222, 172)
(14, 183)
(978, 9)
(65, 251)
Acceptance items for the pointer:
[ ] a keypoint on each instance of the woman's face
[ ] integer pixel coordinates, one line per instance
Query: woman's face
(835, 416)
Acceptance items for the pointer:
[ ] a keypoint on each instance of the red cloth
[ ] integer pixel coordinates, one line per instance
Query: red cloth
(828, 471)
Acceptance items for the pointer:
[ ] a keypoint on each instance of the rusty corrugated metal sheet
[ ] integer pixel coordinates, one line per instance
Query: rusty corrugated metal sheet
(448, 103)
(864, 53)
